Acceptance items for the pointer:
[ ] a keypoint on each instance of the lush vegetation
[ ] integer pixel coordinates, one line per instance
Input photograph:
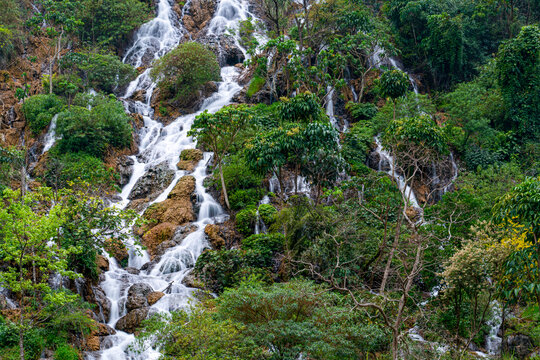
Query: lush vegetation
(379, 170)
(184, 70)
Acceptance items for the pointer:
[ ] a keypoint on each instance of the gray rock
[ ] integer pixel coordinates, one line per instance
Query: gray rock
(132, 320)
(137, 295)
(124, 169)
(519, 345)
(103, 303)
(151, 184)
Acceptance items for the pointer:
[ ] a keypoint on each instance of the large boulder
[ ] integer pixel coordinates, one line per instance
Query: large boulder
(519, 345)
(226, 50)
(214, 237)
(103, 303)
(154, 297)
(137, 296)
(157, 235)
(198, 15)
(151, 184)
(132, 320)
(189, 158)
(124, 168)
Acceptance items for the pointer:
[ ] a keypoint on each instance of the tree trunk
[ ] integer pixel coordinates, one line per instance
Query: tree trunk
(51, 74)
(391, 255)
(223, 186)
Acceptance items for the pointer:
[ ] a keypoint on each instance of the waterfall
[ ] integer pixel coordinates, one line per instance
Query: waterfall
(50, 137)
(159, 144)
(386, 158)
(330, 106)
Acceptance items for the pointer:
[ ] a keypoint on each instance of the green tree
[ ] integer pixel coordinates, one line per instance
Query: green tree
(183, 71)
(518, 65)
(110, 22)
(393, 84)
(197, 334)
(101, 72)
(94, 131)
(26, 230)
(519, 210)
(218, 132)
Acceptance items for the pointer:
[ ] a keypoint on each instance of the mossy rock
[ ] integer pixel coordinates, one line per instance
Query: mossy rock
(191, 155)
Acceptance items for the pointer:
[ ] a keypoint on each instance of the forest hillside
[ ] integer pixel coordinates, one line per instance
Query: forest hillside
(269, 179)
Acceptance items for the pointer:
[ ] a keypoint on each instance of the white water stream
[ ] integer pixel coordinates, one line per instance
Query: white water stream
(158, 144)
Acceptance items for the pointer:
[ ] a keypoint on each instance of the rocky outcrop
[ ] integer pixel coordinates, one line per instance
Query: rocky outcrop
(132, 320)
(151, 184)
(212, 233)
(166, 216)
(154, 297)
(157, 235)
(140, 296)
(520, 345)
(189, 158)
(124, 168)
(103, 303)
(118, 250)
(136, 297)
(225, 48)
(102, 263)
(197, 16)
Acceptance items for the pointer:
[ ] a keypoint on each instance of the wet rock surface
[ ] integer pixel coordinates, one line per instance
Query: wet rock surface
(151, 184)
(132, 320)
(225, 48)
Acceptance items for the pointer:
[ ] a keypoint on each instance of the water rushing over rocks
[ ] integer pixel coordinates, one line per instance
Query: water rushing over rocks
(160, 144)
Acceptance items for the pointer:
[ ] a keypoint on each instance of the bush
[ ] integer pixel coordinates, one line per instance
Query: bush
(361, 111)
(6, 44)
(93, 131)
(102, 72)
(79, 168)
(476, 156)
(39, 111)
(63, 85)
(241, 199)
(357, 145)
(66, 352)
(184, 70)
(218, 268)
(264, 243)
(267, 212)
(245, 220)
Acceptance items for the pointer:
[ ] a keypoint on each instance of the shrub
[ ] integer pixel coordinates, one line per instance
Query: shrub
(6, 44)
(264, 243)
(39, 111)
(241, 199)
(66, 352)
(267, 212)
(79, 168)
(218, 268)
(93, 131)
(357, 145)
(361, 111)
(63, 85)
(245, 220)
(476, 156)
(184, 70)
(102, 72)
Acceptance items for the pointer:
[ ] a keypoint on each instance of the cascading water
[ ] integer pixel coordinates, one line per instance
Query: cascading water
(387, 161)
(159, 144)
(50, 137)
